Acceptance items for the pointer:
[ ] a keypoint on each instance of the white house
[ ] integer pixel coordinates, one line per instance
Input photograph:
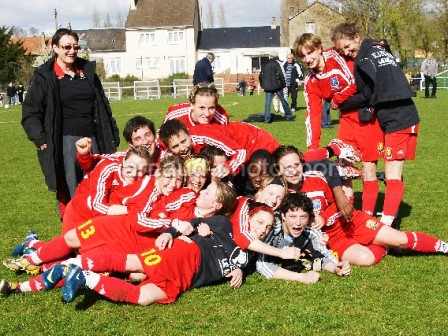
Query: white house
(161, 37)
(166, 37)
(241, 49)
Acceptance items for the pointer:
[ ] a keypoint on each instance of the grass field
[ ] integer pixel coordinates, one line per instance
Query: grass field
(405, 294)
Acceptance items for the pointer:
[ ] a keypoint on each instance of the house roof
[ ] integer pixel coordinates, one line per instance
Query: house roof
(240, 37)
(103, 39)
(317, 3)
(33, 45)
(162, 13)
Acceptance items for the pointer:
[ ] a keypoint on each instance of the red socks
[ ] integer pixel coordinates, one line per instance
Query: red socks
(117, 290)
(55, 249)
(316, 154)
(422, 242)
(104, 262)
(393, 197)
(370, 190)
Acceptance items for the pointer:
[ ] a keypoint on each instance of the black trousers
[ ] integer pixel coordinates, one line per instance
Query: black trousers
(433, 82)
(292, 91)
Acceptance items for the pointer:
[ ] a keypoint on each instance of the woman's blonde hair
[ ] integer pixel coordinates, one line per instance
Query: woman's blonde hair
(307, 40)
(203, 89)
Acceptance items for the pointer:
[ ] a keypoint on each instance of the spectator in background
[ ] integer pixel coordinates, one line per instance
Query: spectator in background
(293, 75)
(251, 85)
(429, 70)
(242, 85)
(20, 91)
(11, 93)
(272, 80)
(66, 102)
(203, 71)
(326, 117)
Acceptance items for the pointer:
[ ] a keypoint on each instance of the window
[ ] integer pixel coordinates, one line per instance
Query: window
(310, 27)
(147, 38)
(138, 63)
(258, 62)
(177, 64)
(152, 62)
(115, 65)
(217, 62)
(175, 37)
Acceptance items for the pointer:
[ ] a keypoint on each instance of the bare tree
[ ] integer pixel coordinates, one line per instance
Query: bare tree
(18, 32)
(107, 23)
(96, 19)
(222, 15)
(120, 21)
(210, 15)
(33, 31)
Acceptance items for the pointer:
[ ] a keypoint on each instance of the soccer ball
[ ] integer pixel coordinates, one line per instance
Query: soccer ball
(6, 106)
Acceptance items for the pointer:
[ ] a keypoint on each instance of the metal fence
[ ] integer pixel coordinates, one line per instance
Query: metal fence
(442, 81)
(152, 89)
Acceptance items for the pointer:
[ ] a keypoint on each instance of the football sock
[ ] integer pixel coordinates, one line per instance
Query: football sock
(370, 192)
(113, 288)
(392, 200)
(55, 249)
(378, 251)
(34, 243)
(422, 242)
(104, 262)
(316, 154)
(333, 149)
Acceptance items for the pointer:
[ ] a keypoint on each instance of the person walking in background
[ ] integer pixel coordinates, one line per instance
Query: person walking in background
(203, 71)
(251, 85)
(11, 94)
(272, 80)
(326, 117)
(429, 70)
(293, 75)
(20, 91)
(66, 102)
(242, 84)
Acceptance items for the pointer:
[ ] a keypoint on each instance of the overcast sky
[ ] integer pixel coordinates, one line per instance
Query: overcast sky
(40, 13)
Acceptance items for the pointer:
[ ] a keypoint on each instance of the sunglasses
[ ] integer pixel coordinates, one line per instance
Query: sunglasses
(69, 47)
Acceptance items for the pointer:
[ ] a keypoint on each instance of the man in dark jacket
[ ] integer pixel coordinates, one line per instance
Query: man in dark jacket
(272, 80)
(62, 106)
(203, 71)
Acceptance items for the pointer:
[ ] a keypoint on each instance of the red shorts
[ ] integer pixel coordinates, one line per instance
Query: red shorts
(76, 212)
(111, 233)
(367, 137)
(361, 230)
(171, 269)
(401, 145)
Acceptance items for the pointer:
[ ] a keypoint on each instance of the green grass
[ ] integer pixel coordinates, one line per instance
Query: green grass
(403, 295)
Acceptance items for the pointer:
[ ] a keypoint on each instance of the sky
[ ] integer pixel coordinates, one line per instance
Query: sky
(79, 13)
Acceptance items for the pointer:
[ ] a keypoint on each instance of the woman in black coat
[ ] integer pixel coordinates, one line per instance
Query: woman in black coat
(65, 101)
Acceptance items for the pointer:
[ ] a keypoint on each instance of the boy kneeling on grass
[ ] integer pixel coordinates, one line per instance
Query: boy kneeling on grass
(292, 229)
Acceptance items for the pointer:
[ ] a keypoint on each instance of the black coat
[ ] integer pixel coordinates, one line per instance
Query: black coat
(203, 72)
(272, 77)
(42, 117)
